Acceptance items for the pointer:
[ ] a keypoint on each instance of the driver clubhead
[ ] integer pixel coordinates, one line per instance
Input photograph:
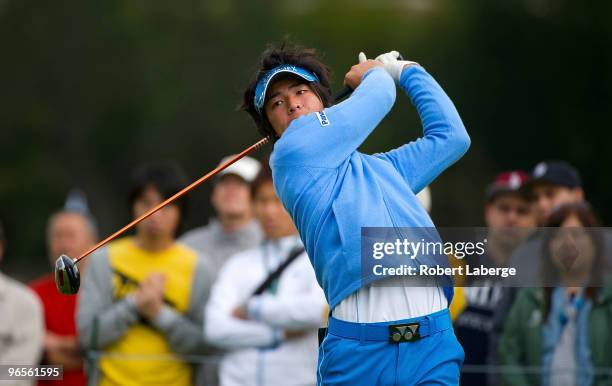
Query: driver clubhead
(67, 276)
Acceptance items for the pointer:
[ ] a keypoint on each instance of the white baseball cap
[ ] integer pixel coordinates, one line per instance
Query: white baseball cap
(245, 168)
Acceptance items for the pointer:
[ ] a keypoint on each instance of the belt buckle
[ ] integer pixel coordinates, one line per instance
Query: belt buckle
(408, 332)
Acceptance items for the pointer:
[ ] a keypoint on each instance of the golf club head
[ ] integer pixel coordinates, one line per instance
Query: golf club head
(67, 276)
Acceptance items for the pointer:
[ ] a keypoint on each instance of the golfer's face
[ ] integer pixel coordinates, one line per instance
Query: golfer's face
(287, 99)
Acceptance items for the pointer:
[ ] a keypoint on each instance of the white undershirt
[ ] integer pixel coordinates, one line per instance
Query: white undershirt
(395, 300)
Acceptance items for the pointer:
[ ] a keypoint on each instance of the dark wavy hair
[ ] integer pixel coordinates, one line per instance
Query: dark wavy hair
(588, 219)
(286, 53)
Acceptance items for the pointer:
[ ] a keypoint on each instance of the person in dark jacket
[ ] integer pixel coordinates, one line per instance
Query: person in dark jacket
(563, 330)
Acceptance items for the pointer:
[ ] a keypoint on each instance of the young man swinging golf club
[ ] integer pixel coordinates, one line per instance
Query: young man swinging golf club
(331, 191)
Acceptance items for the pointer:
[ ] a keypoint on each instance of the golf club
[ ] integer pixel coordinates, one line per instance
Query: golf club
(67, 276)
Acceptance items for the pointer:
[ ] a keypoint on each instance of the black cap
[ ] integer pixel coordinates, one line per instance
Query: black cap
(559, 173)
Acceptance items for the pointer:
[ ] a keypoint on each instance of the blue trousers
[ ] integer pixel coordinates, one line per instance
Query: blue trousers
(355, 354)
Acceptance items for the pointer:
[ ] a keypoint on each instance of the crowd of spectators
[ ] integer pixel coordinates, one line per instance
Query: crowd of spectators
(236, 301)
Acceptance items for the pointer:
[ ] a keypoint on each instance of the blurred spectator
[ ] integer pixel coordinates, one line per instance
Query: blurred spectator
(143, 296)
(509, 219)
(21, 322)
(69, 232)
(234, 229)
(552, 183)
(271, 337)
(565, 330)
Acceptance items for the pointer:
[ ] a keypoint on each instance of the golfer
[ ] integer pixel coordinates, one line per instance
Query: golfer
(377, 335)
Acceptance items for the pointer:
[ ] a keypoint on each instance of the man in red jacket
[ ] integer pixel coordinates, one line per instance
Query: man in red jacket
(71, 233)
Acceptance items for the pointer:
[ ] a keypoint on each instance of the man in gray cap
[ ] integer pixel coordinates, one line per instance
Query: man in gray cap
(234, 229)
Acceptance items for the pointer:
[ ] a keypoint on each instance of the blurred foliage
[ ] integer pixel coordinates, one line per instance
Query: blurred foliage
(91, 89)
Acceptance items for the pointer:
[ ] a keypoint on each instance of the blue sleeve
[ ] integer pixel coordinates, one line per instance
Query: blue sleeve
(444, 139)
(327, 140)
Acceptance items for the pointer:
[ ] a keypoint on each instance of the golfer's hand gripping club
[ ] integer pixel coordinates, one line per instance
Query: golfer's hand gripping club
(393, 63)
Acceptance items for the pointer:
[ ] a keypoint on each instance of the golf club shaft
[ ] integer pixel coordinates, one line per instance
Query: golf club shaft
(175, 197)
(346, 91)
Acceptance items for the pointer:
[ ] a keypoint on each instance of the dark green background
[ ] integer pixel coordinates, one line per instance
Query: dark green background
(89, 89)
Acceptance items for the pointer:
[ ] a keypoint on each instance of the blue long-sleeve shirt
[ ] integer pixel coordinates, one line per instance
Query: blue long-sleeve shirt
(331, 190)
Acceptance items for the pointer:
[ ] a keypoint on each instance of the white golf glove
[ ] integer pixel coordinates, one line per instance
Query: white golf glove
(393, 66)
